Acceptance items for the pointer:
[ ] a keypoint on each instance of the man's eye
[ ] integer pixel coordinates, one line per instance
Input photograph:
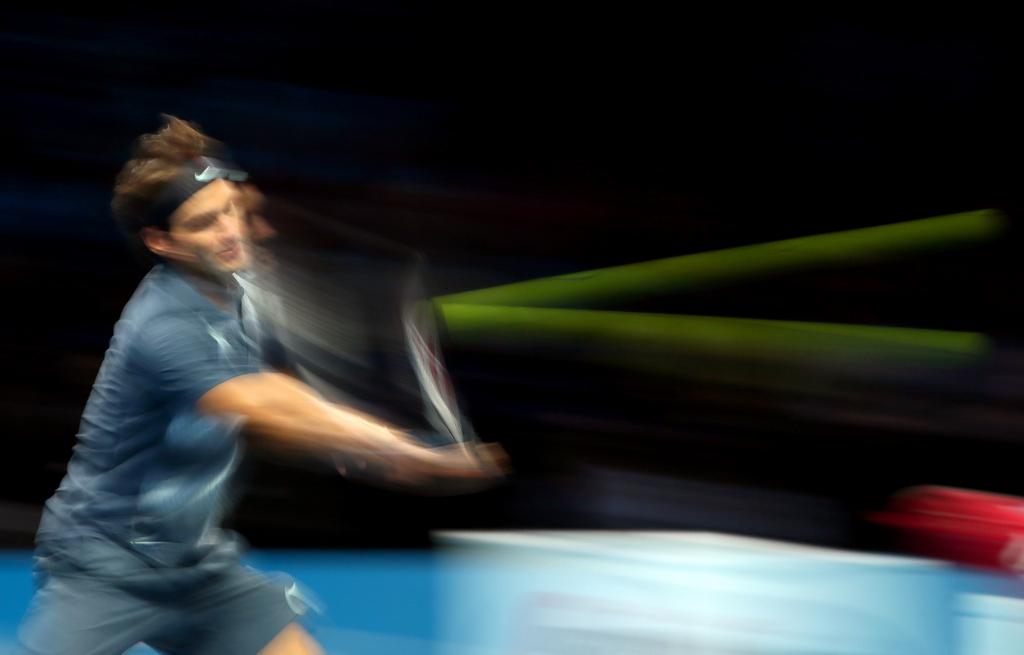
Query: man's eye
(201, 222)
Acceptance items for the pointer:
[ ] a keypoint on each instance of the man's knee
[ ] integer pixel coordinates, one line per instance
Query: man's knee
(293, 640)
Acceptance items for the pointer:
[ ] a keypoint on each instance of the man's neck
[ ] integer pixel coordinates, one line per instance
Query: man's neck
(222, 291)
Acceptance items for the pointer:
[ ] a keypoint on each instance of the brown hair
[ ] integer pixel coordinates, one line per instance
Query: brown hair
(156, 160)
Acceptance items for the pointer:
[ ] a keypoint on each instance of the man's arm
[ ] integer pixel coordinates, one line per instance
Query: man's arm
(287, 413)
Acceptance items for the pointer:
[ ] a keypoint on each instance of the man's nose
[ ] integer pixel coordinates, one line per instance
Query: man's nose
(229, 227)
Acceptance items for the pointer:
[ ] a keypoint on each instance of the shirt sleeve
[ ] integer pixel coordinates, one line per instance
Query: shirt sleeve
(186, 358)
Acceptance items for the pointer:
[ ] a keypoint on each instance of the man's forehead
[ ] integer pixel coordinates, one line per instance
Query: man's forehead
(211, 197)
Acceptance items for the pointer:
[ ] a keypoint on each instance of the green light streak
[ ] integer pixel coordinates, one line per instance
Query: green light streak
(721, 267)
(667, 334)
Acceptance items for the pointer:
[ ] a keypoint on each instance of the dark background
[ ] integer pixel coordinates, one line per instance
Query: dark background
(519, 141)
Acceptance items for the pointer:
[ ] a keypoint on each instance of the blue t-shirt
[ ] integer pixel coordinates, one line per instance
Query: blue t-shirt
(148, 471)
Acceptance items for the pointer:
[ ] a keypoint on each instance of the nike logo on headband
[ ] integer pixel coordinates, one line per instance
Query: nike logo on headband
(211, 173)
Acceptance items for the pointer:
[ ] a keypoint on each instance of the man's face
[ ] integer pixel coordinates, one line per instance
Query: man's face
(208, 232)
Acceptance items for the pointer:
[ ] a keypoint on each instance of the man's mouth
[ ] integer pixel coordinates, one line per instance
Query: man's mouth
(230, 253)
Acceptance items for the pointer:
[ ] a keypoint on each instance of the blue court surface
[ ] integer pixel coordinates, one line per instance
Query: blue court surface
(630, 592)
(376, 602)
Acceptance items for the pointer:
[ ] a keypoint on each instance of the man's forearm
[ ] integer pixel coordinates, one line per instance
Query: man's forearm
(289, 414)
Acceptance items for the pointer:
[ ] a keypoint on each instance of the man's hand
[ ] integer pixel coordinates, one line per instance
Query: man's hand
(458, 468)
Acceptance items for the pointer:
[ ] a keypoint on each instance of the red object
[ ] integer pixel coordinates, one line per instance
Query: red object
(959, 525)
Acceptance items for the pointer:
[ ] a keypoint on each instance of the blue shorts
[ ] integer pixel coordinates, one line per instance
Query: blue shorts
(233, 610)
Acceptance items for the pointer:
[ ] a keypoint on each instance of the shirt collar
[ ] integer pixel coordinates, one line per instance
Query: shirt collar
(192, 290)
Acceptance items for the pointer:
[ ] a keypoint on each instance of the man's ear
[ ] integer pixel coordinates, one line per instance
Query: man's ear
(161, 243)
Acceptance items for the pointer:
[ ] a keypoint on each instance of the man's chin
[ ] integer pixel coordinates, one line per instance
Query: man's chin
(231, 265)
(218, 269)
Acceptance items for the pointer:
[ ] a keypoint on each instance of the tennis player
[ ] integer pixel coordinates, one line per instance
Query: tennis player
(129, 548)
